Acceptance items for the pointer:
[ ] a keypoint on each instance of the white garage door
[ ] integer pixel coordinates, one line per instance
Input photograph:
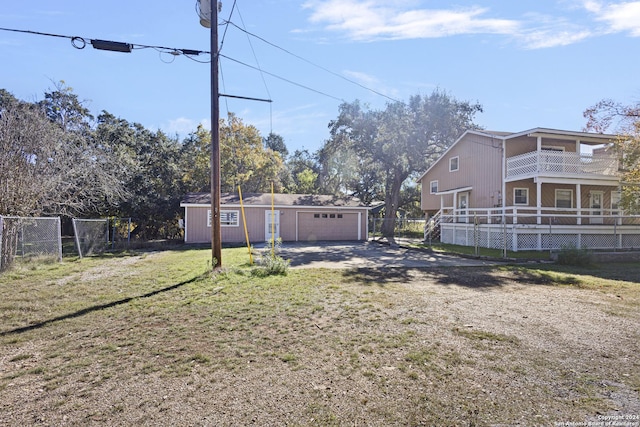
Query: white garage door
(314, 226)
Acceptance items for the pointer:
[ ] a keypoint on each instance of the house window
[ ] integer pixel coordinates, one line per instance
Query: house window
(520, 196)
(332, 215)
(227, 218)
(324, 216)
(564, 198)
(434, 187)
(615, 202)
(316, 215)
(339, 216)
(454, 164)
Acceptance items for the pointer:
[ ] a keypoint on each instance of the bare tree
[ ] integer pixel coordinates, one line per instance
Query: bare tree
(47, 170)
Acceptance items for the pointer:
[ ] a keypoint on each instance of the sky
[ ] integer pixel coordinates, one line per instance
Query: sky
(529, 63)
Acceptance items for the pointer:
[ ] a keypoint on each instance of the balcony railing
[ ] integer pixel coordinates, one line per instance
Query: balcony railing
(561, 164)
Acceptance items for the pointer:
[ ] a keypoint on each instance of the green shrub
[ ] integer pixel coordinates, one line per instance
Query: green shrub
(270, 263)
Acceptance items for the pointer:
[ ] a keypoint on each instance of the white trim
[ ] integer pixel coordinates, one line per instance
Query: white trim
(596, 211)
(237, 217)
(562, 134)
(617, 209)
(186, 221)
(431, 186)
(526, 190)
(457, 159)
(237, 206)
(454, 190)
(555, 199)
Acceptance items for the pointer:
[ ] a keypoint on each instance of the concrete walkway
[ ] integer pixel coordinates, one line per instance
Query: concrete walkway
(368, 255)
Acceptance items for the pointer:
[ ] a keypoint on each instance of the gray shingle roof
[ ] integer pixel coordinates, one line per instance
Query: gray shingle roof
(280, 199)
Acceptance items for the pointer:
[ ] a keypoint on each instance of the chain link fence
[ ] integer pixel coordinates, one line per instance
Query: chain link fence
(120, 233)
(406, 228)
(29, 237)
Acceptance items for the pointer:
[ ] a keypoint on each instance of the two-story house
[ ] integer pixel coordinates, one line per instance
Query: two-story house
(537, 189)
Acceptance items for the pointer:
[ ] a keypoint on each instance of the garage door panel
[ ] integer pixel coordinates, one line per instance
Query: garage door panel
(313, 226)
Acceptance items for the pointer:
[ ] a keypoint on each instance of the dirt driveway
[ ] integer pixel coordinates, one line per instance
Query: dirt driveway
(367, 255)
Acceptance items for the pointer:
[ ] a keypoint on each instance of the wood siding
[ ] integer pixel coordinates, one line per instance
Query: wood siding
(549, 191)
(296, 224)
(480, 165)
(527, 144)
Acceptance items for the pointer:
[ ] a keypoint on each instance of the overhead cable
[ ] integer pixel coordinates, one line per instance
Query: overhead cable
(314, 64)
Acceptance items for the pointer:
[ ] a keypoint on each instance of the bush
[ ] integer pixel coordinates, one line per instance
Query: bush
(270, 263)
(571, 255)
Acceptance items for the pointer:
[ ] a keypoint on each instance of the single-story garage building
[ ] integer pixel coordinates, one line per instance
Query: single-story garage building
(297, 217)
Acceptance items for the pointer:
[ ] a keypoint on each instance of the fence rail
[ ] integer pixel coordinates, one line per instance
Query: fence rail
(404, 227)
(29, 236)
(550, 231)
(23, 237)
(553, 162)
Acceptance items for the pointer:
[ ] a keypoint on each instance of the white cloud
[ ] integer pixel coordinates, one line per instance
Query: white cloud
(374, 19)
(619, 17)
(184, 126)
(541, 39)
(370, 20)
(362, 78)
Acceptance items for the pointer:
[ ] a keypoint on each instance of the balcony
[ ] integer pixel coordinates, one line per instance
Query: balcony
(561, 164)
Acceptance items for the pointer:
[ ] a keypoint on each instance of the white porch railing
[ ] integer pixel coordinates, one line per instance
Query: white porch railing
(553, 229)
(561, 163)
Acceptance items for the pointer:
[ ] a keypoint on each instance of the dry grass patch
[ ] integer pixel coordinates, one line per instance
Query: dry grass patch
(149, 339)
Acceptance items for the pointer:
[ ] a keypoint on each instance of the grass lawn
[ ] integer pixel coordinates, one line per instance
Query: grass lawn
(152, 338)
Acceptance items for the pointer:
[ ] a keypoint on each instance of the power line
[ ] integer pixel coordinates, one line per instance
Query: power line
(81, 42)
(255, 57)
(312, 63)
(283, 79)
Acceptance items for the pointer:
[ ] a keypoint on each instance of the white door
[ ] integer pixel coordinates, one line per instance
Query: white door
(595, 204)
(463, 205)
(271, 225)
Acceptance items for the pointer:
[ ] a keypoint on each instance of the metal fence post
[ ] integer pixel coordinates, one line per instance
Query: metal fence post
(59, 226)
(504, 236)
(1, 230)
(475, 234)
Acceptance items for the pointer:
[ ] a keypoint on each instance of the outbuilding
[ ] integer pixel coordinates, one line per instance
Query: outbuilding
(291, 217)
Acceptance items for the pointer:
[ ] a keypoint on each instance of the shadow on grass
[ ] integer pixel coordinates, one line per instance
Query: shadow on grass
(88, 310)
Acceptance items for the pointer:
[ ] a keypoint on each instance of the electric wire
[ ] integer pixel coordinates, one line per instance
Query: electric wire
(283, 78)
(226, 27)
(79, 42)
(314, 64)
(264, 82)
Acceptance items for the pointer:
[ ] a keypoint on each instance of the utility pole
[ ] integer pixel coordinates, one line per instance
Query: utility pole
(216, 238)
(216, 235)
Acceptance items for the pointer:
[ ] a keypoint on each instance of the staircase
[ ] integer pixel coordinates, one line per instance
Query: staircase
(432, 228)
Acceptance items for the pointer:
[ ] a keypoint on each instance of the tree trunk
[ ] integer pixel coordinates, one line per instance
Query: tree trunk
(391, 200)
(8, 242)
